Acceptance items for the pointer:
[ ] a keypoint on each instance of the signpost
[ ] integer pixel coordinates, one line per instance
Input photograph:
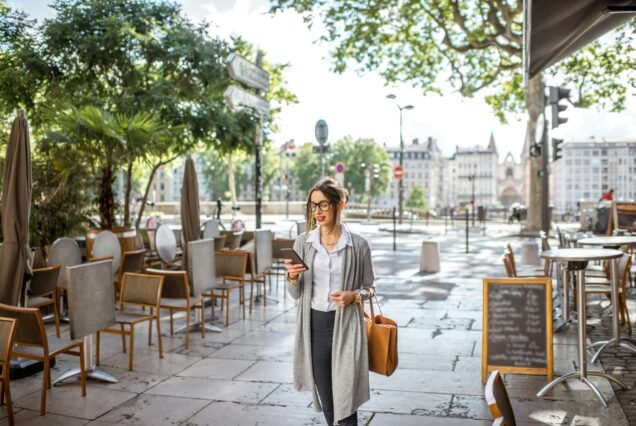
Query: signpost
(252, 75)
(322, 132)
(242, 70)
(237, 98)
(398, 172)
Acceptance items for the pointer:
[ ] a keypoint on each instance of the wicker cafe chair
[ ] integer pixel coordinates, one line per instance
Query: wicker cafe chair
(497, 399)
(139, 290)
(278, 264)
(42, 291)
(510, 265)
(32, 343)
(602, 286)
(231, 267)
(175, 296)
(8, 327)
(131, 261)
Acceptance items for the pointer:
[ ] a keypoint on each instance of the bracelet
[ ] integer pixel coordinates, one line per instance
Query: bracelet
(358, 297)
(291, 280)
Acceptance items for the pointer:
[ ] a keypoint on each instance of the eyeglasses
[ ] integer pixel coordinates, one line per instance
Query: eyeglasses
(323, 206)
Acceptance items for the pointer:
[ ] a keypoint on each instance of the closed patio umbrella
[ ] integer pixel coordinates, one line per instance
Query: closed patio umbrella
(190, 224)
(15, 265)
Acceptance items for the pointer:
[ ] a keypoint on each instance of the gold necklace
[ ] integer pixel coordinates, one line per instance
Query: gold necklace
(328, 243)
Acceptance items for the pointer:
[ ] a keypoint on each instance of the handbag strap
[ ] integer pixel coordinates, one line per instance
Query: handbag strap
(377, 303)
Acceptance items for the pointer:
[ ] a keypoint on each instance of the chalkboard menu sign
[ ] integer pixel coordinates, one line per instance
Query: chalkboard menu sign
(517, 326)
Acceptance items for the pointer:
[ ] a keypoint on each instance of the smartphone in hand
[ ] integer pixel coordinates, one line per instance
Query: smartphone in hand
(289, 253)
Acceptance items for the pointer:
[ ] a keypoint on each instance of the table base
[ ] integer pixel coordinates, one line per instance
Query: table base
(91, 369)
(197, 325)
(585, 380)
(616, 341)
(93, 373)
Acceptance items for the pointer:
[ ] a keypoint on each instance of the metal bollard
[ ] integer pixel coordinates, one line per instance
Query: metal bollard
(467, 230)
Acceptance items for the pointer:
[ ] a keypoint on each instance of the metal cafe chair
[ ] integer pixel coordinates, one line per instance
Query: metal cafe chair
(131, 261)
(33, 343)
(140, 290)
(8, 327)
(497, 399)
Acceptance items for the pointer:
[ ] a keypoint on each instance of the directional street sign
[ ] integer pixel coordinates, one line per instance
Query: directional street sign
(237, 98)
(246, 72)
(340, 167)
(398, 172)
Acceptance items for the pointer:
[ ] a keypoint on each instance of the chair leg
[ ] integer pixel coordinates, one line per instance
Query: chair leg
(45, 376)
(82, 370)
(2, 392)
(6, 389)
(132, 346)
(171, 324)
(97, 345)
(212, 302)
(159, 335)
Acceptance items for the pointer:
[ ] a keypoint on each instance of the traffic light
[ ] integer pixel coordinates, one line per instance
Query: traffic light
(555, 95)
(556, 149)
(535, 150)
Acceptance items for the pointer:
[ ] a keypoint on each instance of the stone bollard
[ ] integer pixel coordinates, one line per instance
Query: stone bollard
(530, 253)
(429, 257)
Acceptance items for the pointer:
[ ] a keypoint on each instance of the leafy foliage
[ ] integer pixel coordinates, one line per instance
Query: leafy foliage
(473, 46)
(416, 198)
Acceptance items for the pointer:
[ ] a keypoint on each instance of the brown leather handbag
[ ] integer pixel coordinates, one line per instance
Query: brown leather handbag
(382, 339)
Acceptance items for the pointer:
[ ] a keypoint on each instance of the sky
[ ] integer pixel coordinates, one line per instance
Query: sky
(356, 105)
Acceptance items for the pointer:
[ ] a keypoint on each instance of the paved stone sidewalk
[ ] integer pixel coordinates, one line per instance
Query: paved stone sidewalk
(242, 376)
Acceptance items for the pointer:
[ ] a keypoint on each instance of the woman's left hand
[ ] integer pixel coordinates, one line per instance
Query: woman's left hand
(343, 298)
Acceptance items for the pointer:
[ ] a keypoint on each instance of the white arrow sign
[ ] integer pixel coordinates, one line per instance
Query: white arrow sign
(242, 70)
(237, 98)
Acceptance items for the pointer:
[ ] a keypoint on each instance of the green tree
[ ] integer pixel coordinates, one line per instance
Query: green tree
(306, 168)
(416, 199)
(471, 46)
(360, 155)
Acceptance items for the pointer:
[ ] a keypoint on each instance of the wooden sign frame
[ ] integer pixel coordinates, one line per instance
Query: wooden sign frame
(487, 368)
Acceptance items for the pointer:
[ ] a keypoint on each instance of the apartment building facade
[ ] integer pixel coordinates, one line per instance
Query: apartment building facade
(590, 167)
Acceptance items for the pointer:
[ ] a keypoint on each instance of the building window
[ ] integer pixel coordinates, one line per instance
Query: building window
(509, 173)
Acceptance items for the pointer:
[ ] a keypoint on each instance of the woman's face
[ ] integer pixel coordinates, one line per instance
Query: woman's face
(322, 210)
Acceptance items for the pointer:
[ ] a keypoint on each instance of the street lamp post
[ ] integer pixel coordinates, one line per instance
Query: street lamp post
(401, 180)
(471, 178)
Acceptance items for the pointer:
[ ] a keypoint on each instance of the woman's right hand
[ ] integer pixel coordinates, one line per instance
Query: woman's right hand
(294, 269)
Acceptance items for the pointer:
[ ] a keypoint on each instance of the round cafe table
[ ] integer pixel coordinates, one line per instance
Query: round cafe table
(576, 260)
(617, 339)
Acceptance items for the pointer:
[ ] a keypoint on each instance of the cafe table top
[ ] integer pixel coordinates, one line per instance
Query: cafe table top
(581, 254)
(608, 241)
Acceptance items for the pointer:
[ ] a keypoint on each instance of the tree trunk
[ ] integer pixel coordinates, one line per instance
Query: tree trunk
(535, 104)
(129, 172)
(107, 198)
(231, 183)
(144, 200)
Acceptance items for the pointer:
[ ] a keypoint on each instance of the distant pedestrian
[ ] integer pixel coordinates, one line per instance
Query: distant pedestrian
(219, 206)
(608, 196)
(330, 350)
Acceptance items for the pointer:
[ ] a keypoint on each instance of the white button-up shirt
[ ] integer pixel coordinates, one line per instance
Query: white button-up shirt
(327, 268)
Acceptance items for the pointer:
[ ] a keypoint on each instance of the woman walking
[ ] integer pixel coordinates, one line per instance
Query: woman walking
(330, 351)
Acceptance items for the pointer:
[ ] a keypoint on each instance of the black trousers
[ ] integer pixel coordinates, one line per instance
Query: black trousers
(321, 345)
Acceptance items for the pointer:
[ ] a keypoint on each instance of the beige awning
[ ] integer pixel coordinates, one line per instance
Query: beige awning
(15, 256)
(554, 29)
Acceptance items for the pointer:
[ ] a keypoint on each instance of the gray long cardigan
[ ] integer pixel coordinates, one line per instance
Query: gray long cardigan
(350, 357)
